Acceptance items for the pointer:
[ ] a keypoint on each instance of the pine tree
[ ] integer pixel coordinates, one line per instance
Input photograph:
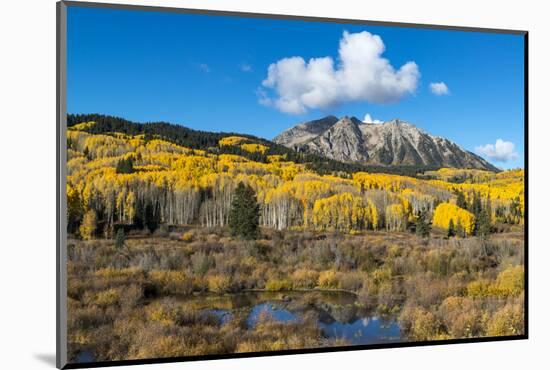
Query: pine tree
(125, 165)
(483, 225)
(476, 206)
(120, 239)
(460, 229)
(461, 200)
(244, 215)
(75, 211)
(423, 227)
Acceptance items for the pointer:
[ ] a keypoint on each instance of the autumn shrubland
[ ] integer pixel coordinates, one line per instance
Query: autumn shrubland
(439, 289)
(153, 223)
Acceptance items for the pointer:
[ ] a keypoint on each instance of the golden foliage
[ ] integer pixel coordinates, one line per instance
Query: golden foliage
(278, 284)
(445, 212)
(219, 284)
(328, 279)
(254, 148)
(509, 320)
(232, 140)
(89, 225)
(193, 186)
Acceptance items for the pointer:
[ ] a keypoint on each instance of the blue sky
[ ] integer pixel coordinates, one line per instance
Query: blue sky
(208, 73)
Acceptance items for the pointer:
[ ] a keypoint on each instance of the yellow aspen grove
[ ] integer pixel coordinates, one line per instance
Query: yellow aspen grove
(130, 207)
(254, 148)
(396, 217)
(89, 225)
(232, 140)
(176, 185)
(445, 212)
(344, 212)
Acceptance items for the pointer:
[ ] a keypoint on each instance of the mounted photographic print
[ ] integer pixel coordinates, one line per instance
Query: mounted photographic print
(235, 185)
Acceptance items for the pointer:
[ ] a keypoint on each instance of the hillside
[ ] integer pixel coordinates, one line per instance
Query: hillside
(209, 141)
(143, 180)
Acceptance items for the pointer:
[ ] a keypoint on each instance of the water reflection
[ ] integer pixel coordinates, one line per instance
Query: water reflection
(338, 314)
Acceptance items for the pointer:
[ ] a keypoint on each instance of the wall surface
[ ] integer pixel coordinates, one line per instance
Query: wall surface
(27, 207)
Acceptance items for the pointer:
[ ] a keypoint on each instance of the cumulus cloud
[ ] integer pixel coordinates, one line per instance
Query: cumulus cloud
(361, 74)
(204, 67)
(439, 88)
(369, 119)
(501, 151)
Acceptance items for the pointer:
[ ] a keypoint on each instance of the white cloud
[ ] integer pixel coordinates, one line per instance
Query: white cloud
(501, 151)
(362, 74)
(369, 119)
(439, 88)
(245, 67)
(204, 67)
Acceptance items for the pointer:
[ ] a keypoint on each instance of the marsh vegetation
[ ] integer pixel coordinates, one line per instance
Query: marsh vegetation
(196, 291)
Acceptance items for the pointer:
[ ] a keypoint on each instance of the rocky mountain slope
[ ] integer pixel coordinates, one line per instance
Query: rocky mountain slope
(393, 143)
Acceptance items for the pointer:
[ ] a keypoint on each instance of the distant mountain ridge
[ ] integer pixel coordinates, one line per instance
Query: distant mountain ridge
(392, 143)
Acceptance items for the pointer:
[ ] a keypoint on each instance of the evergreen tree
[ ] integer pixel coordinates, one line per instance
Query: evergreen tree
(75, 211)
(423, 227)
(125, 165)
(87, 153)
(483, 225)
(488, 207)
(120, 239)
(460, 229)
(244, 216)
(476, 206)
(461, 200)
(451, 230)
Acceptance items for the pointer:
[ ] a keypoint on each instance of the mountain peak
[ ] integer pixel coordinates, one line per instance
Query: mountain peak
(393, 143)
(396, 121)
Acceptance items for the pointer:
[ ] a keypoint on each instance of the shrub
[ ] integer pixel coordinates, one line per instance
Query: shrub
(278, 284)
(188, 236)
(171, 282)
(509, 320)
(461, 317)
(201, 263)
(328, 279)
(419, 323)
(219, 284)
(381, 275)
(479, 289)
(510, 282)
(131, 296)
(165, 312)
(304, 278)
(352, 281)
(108, 297)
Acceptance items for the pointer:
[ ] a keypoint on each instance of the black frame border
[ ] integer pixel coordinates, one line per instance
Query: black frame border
(61, 299)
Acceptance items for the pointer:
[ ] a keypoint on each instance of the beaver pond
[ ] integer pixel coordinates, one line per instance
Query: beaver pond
(338, 314)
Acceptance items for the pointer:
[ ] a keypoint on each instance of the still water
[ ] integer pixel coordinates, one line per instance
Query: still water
(339, 314)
